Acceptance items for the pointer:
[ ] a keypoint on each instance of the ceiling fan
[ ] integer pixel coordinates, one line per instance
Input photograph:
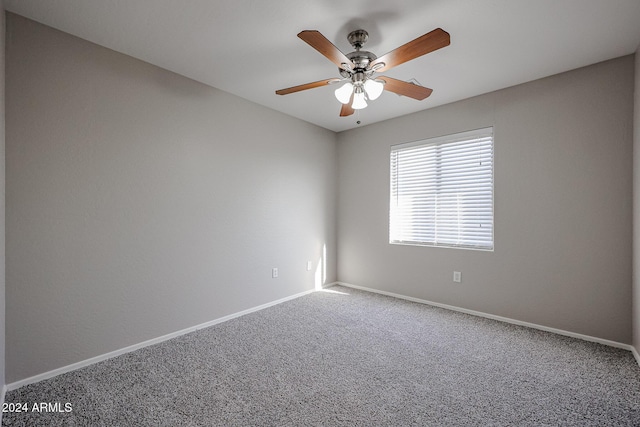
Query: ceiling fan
(358, 68)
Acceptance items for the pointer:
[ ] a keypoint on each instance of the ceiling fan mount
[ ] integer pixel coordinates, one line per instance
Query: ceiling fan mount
(358, 38)
(357, 68)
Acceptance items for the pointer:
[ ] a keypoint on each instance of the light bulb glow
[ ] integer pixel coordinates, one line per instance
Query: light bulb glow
(358, 100)
(373, 88)
(343, 93)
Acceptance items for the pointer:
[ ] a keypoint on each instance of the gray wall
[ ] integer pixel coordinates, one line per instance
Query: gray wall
(2, 199)
(140, 202)
(636, 206)
(563, 214)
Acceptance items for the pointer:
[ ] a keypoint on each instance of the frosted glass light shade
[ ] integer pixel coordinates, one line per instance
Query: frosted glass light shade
(373, 88)
(343, 93)
(358, 101)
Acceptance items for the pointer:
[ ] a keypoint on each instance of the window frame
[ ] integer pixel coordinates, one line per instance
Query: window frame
(476, 134)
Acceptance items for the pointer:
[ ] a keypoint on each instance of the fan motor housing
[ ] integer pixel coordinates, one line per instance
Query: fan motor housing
(361, 60)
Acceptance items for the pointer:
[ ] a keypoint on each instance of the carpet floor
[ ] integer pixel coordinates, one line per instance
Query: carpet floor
(344, 357)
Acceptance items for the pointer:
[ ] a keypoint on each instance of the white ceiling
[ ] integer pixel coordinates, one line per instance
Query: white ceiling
(249, 47)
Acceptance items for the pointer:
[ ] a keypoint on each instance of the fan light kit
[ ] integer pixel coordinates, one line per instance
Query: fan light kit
(358, 68)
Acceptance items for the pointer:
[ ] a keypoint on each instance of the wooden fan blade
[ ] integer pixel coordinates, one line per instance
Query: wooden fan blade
(305, 86)
(346, 109)
(326, 48)
(404, 88)
(429, 42)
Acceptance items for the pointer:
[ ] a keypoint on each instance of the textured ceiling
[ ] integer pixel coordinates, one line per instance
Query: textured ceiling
(249, 47)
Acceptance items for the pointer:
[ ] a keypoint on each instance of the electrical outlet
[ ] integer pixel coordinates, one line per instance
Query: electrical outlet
(457, 276)
(308, 265)
(274, 273)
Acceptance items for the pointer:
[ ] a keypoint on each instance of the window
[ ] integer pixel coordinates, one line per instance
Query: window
(442, 191)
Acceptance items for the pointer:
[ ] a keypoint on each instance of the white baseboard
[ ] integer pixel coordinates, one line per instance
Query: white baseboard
(328, 285)
(500, 318)
(635, 354)
(78, 365)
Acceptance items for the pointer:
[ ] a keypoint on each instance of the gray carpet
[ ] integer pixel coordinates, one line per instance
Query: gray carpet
(352, 359)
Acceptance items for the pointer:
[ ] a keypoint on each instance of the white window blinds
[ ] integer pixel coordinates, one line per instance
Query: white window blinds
(442, 191)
